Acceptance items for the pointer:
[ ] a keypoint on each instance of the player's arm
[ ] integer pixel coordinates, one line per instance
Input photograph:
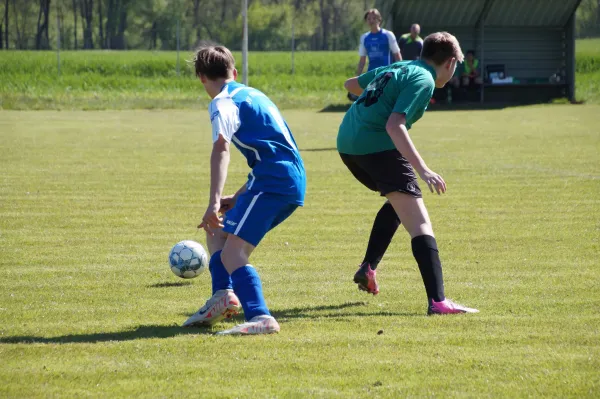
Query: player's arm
(225, 120)
(219, 163)
(361, 65)
(353, 87)
(394, 48)
(396, 128)
(357, 84)
(362, 53)
(412, 102)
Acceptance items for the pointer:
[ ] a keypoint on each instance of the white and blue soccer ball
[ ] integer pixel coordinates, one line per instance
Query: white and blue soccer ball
(188, 259)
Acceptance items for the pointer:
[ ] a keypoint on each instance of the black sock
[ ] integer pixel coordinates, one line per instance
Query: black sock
(426, 253)
(385, 226)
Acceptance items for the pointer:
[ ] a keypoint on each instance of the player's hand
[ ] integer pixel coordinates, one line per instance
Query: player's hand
(227, 203)
(211, 219)
(433, 180)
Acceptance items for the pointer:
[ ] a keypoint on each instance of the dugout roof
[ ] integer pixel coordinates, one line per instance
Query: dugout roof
(534, 39)
(470, 13)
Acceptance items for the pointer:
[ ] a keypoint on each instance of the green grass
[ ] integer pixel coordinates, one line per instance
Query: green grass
(588, 70)
(138, 79)
(143, 79)
(590, 46)
(91, 202)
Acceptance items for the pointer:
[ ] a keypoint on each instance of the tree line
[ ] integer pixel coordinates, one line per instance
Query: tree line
(588, 18)
(159, 24)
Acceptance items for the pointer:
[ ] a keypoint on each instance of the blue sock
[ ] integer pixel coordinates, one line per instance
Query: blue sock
(221, 280)
(248, 288)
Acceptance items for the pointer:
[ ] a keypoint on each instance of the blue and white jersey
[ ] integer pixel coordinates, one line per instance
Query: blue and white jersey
(378, 47)
(247, 118)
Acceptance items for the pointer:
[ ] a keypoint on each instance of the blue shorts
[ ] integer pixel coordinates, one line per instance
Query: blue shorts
(255, 214)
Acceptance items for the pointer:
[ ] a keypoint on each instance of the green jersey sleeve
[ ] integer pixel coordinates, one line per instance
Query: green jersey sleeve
(414, 99)
(366, 78)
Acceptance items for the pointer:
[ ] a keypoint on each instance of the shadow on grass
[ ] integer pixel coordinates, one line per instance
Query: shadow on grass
(464, 106)
(336, 108)
(142, 332)
(169, 285)
(161, 331)
(333, 312)
(300, 312)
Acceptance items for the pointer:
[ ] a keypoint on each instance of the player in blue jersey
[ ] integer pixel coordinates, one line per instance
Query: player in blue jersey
(378, 45)
(235, 224)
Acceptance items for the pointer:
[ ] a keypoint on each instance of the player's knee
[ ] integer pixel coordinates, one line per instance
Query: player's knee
(216, 242)
(423, 229)
(234, 256)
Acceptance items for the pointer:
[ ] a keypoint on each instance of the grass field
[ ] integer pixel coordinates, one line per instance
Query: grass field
(588, 70)
(143, 79)
(91, 202)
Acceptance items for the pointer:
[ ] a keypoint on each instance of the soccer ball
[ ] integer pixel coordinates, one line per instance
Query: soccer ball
(188, 259)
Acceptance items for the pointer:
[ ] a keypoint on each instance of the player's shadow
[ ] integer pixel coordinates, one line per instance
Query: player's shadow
(142, 332)
(464, 106)
(336, 108)
(339, 311)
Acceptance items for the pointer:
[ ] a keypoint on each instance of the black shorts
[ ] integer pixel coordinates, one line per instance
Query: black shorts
(385, 172)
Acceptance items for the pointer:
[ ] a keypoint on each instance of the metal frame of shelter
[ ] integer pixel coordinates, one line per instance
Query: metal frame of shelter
(535, 39)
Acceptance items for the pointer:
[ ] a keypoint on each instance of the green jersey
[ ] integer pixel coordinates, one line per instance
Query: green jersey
(404, 87)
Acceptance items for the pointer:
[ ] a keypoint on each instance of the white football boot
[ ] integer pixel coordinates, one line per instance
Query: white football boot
(258, 325)
(224, 304)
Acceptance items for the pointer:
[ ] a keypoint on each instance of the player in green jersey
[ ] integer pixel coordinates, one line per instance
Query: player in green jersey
(374, 144)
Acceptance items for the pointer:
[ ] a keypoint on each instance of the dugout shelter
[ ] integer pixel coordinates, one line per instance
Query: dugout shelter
(532, 40)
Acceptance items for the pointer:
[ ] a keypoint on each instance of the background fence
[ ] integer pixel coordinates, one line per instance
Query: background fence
(163, 24)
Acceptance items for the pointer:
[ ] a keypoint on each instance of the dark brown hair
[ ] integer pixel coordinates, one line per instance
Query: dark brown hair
(213, 61)
(439, 47)
(374, 11)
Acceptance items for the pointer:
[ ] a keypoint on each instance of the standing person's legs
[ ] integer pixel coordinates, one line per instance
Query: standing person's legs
(255, 214)
(384, 227)
(416, 220)
(235, 281)
(223, 303)
(221, 280)
(381, 172)
(244, 277)
(389, 173)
